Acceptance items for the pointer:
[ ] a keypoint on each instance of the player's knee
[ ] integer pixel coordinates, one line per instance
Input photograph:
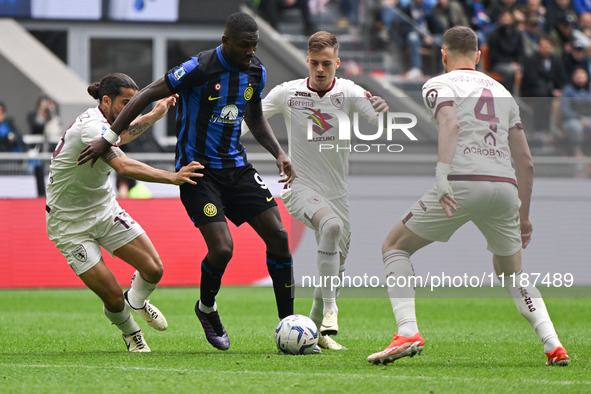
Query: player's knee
(153, 270)
(331, 226)
(220, 255)
(282, 236)
(277, 241)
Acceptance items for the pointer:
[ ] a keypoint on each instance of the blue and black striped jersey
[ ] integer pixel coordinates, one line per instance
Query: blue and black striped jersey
(213, 96)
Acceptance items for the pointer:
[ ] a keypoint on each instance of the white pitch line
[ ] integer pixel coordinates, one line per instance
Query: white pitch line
(306, 374)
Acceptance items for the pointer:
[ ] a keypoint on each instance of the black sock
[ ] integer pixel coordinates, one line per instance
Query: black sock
(281, 271)
(211, 281)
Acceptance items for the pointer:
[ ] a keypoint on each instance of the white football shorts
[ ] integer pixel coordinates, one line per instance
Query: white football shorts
(80, 241)
(304, 202)
(492, 206)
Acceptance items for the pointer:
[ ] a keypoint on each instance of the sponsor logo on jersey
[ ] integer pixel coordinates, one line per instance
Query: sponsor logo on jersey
(303, 94)
(210, 210)
(300, 103)
(228, 115)
(178, 74)
(489, 139)
(248, 93)
(319, 124)
(486, 152)
(337, 99)
(214, 98)
(80, 253)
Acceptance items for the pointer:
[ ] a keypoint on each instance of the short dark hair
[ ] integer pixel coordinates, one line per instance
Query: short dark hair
(579, 67)
(460, 39)
(321, 40)
(546, 37)
(240, 22)
(111, 86)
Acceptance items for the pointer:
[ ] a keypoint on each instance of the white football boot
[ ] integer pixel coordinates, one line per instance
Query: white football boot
(136, 343)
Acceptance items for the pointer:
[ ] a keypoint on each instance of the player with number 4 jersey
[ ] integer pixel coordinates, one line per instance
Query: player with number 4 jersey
(82, 213)
(480, 135)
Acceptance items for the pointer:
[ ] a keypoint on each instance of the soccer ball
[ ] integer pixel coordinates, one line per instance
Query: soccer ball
(296, 334)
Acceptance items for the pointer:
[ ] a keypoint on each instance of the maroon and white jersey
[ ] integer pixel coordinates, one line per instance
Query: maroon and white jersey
(319, 154)
(486, 112)
(75, 191)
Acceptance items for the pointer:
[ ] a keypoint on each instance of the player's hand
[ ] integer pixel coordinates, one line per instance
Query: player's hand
(378, 103)
(95, 149)
(187, 172)
(162, 106)
(445, 195)
(526, 230)
(448, 203)
(286, 171)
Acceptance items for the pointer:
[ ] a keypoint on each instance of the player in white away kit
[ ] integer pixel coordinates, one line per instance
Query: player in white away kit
(83, 214)
(479, 132)
(318, 197)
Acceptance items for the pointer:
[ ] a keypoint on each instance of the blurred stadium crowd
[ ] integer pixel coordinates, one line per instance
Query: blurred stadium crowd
(539, 49)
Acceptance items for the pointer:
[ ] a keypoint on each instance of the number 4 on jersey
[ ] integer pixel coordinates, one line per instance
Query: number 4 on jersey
(485, 110)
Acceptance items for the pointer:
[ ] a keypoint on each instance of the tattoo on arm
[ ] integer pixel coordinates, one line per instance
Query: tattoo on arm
(112, 153)
(137, 129)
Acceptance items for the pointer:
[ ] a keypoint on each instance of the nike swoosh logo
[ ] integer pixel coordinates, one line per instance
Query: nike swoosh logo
(290, 285)
(214, 98)
(269, 199)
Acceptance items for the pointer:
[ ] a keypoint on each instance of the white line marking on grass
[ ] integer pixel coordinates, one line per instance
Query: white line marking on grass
(306, 374)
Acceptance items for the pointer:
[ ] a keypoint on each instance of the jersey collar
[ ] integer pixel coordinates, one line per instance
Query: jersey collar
(101, 111)
(224, 62)
(320, 93)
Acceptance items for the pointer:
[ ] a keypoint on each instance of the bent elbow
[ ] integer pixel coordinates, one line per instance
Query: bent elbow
(122, 168)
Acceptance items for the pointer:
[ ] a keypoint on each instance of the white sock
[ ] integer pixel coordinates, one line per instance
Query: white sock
(140, 291)
(317, 307)
(342, 277)
(123, 320)
(530, 304)
(397, 264)
(207, 309)
(330, 229)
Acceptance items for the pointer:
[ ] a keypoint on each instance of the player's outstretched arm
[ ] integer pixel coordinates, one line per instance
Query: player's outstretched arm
(144, 122)
(262, 132)
(131, 168)
(524, 171)
(96, 148)
(449, 129)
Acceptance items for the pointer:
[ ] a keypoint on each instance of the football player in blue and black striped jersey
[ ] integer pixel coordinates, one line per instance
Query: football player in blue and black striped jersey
(217, 89)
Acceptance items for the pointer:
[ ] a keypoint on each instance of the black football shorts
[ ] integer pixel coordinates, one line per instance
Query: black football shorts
(239, 194)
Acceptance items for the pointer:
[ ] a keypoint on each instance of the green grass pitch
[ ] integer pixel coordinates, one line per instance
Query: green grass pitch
(60, 341)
